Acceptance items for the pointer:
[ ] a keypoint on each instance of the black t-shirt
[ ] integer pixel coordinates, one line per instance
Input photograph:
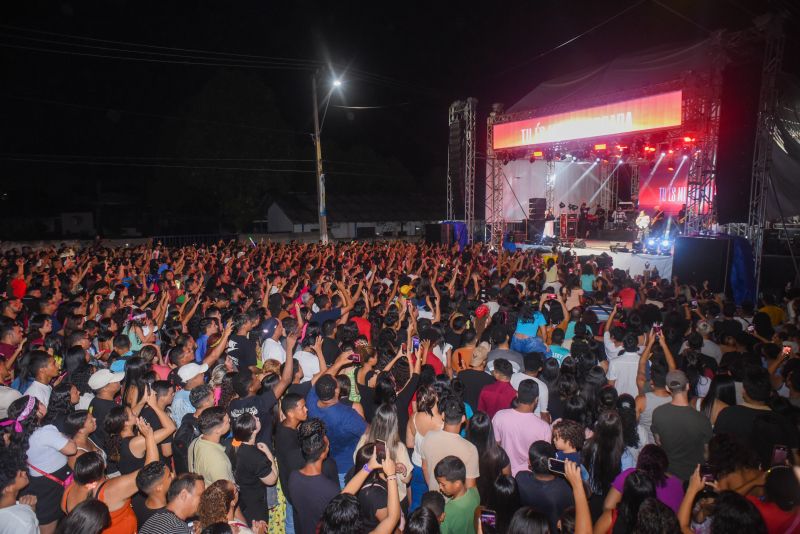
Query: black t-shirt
(261, 407)
(760, 429)
(453, 338)
(100, 408)
(551, 497)
(290, 457)
(330, 350)
(141, 510)
(251, 466)
(474, 381)
(372, 497)
(149, 415)
(309, 496)
(242, 351)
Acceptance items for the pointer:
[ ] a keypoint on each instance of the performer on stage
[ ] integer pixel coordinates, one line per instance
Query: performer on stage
(642, 223)
(548, 215)
(681, 223)
(657, 221)
(583, 215)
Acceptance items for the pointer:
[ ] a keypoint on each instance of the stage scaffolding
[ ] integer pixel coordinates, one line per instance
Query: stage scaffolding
(494, 184)
(767, 107)
(462, 171)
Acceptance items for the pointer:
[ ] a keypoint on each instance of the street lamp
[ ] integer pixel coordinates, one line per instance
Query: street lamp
(323, 213)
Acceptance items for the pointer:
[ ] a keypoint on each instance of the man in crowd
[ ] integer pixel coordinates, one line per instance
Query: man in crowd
(499, 394)
(439, 444)
(516, 428)
(183, 498)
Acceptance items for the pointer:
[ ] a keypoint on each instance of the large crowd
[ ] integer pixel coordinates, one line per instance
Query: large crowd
(385, 387)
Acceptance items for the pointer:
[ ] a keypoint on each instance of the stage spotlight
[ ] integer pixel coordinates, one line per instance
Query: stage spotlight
(337, 83)
(574, 158)
(561, 205)
(665, 243)
(597, 160)
(651, 242)
(685, 156)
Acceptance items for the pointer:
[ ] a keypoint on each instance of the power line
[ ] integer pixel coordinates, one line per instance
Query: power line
(682, 16)
(176, 166)
(152, 115)
(572, 39)
(256, 61)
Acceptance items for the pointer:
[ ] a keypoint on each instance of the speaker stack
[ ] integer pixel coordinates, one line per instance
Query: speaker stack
(537, 209)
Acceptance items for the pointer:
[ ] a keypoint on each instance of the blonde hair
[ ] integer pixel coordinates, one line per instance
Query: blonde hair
(479, 354)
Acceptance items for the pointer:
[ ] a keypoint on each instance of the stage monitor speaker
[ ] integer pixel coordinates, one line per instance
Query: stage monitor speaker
(697, 259)
(579, 243)
(438, 233)
(535, 229)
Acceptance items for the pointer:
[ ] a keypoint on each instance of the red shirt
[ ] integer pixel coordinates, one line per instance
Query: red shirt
(495, 397)
(628, 297)
(777, 520)
(364, 328)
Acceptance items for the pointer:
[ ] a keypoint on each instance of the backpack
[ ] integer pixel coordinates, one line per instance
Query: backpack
(184, 436)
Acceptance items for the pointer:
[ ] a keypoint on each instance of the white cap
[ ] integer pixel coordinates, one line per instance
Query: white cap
(191, 370)
(104, 377)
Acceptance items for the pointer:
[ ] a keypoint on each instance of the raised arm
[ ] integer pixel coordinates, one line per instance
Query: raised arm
(288, 369)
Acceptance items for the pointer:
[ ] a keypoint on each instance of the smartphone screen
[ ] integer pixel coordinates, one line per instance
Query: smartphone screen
(779, 455)
(355, 357)
(555, 466)
(380, 450)
(488, 520)
(403, 347)
(706, 473)
(415, 343)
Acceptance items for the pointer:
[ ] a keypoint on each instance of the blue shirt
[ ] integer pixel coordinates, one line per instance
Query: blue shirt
(180, 406)
(344, 427)
(559, 353)
(202, 346)
(531, 328)
(586, 282)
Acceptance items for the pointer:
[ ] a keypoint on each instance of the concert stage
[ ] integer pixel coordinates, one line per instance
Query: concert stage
(636, 264)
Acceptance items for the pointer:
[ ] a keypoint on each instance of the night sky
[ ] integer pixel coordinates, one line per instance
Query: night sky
(184, 144)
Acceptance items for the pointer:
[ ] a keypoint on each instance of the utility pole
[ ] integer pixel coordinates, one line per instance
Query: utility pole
(323, 214)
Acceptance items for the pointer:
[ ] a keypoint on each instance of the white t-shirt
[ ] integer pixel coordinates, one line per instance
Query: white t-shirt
(7, 396)
(517, 378)
(44, 450)
(623, 371)
(84, 401)
(18, 519)
(309, 363)
(40, 391)
(709, 348)
(272, 350)
(441, 353)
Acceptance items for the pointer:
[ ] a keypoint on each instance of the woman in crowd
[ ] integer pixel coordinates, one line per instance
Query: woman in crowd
(602, 456)
(384, 427)
(425, 419)
(254, 467)
(78, 426)
(492, 459)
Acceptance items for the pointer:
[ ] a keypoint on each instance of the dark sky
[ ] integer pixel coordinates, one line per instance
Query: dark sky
(62, 102)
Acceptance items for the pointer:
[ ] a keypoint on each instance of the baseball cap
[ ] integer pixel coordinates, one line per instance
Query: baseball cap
(268, 327)
(676, 380)
(406, 290)
(481, 311)
(104, 377)
(704, 327)
(191, 370)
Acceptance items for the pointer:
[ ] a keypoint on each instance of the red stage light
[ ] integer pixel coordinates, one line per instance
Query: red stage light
(670, 168)
(601, 146)
(688, 139)
(671, 151)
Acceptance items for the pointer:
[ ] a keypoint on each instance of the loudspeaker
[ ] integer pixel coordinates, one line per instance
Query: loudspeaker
(569, 226)
(579, 243)
(697, 259)
(535, 229)
(537, 207)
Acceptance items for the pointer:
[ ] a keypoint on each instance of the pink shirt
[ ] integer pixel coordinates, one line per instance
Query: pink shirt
(516, 431)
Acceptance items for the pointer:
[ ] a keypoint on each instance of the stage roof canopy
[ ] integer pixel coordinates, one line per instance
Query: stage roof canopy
(626, 73)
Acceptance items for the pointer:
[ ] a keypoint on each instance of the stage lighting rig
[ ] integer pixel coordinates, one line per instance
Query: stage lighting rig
(561, 205)
(573, 207)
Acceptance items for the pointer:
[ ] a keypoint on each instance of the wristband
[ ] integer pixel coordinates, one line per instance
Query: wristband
(367, 469)
(391, 477)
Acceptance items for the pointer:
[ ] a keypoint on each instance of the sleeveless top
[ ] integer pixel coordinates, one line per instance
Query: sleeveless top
(416, 457)
(128, 463)
(646, 417)
(123, 520)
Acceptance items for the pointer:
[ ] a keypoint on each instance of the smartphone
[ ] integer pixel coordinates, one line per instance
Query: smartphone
(694, 304)
(751, 329)
(780, 453)
(380, 450)
(619, 301)
(555, 466)
(706, 473)
(550, 296)
(787, 351)
(355, 357)
(488, 520)
(657, 329)
(414, 343)
(403, 348)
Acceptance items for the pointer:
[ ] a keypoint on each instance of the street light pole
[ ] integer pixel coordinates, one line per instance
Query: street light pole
(323, 213)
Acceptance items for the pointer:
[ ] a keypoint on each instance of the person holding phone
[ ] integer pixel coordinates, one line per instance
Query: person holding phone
(540, 487)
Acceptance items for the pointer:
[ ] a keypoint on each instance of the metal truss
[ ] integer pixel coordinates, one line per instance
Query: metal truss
(701, 112)
(463, 112)
(495, 177)
(762, 160)
(634, 185)
(550, 184)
